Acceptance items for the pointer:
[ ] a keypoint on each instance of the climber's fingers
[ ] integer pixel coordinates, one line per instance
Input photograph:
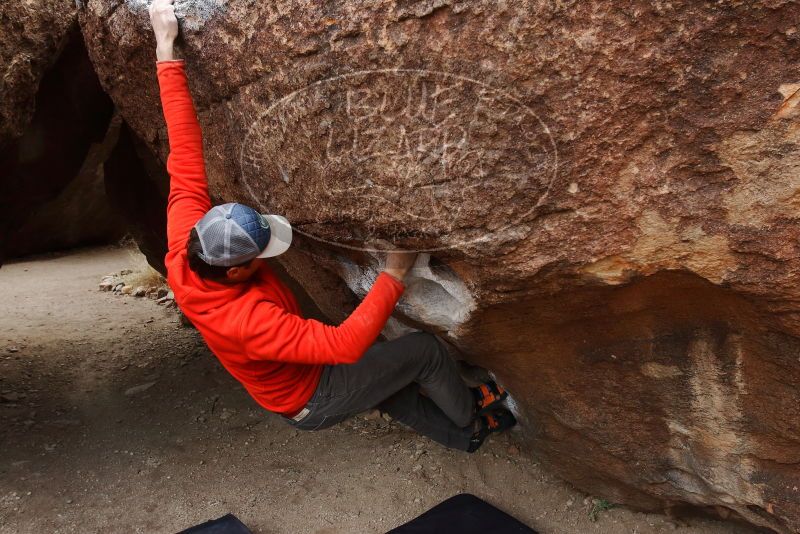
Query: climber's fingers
(161, 5)
(165, 24)
(162, 15)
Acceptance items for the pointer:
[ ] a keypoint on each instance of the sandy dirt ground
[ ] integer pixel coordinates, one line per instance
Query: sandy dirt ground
(113, 418)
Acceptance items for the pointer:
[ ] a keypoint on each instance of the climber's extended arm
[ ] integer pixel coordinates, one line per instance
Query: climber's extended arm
(188, 194)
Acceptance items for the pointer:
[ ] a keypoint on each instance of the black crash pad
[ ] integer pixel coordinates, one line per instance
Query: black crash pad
(227, 524)
(463, 514)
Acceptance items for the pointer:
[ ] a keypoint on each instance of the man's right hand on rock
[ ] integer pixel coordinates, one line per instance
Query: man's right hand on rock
(399, 262)
(165, 26)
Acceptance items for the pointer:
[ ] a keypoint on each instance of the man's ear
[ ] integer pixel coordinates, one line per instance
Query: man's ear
(232, 273)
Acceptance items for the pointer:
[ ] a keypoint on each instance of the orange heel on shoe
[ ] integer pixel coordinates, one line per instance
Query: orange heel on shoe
(488, 396)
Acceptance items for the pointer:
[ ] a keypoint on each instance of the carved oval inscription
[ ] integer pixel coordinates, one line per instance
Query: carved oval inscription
(422, 160)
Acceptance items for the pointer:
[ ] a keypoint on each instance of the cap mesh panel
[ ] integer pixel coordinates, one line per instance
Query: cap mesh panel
(224, 242)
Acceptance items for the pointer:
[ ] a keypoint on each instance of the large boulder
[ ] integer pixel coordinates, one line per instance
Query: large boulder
(607, 197)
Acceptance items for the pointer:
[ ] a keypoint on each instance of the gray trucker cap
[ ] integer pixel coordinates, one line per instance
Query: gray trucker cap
(232, 234)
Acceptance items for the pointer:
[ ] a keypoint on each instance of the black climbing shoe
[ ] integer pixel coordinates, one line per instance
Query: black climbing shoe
(491, 423)
(488, 397)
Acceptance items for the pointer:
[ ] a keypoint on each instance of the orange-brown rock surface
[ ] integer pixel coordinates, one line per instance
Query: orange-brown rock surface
(607, 196)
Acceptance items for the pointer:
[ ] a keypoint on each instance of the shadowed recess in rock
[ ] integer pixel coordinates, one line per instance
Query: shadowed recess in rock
(51, 191)
(133, 189)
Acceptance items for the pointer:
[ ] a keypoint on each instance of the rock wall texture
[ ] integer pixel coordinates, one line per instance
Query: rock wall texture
(607, 194)
(31, 37)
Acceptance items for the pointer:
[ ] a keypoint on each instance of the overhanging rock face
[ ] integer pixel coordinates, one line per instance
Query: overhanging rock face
(609, 197)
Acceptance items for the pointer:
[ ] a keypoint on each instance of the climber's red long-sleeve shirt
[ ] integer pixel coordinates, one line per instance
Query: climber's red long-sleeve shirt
(254, 328)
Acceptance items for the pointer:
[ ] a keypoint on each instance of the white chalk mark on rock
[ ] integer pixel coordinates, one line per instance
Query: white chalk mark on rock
(434, 296)
(192, 14)
(708, 448)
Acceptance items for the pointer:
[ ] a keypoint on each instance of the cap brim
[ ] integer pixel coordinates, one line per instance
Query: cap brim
(280, 236)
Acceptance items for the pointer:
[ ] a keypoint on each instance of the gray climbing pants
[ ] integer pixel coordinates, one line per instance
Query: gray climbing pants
(392, 376)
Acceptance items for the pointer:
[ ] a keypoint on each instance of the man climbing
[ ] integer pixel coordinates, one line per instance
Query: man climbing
(312, 374)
